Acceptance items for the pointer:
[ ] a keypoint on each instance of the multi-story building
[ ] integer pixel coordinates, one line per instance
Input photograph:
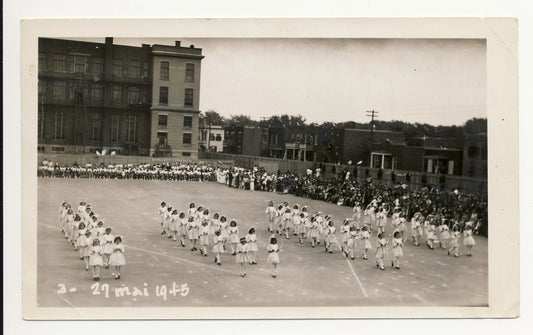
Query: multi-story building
(211, 138)
(132, 100)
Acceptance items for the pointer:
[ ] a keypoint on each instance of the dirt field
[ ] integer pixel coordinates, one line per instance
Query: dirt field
(160, 273)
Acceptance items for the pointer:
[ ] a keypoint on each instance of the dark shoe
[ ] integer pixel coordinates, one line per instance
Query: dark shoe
(219, 263)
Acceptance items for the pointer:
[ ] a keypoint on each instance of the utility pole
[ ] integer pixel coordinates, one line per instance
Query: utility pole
(373, 114)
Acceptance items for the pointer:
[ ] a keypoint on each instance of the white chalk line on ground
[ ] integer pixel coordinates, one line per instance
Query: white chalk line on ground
(182, 260)
(351, 268)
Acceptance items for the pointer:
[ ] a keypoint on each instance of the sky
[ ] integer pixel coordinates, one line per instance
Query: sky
(435, 81)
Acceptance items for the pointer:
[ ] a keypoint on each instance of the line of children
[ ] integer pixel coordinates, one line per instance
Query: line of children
(95, 244)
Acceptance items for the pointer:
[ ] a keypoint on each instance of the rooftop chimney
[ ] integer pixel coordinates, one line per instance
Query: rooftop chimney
(178, 44)
(108, 40)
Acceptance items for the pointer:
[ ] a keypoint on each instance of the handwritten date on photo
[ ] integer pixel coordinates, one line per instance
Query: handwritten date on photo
(108, 291)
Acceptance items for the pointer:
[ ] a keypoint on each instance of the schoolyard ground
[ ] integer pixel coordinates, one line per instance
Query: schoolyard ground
(160, 273)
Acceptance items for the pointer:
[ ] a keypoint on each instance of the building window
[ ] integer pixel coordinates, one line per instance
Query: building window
(162, 139)
(162, 120)
(134, 69)
(114, 128)
(60, 63)
(43, 66)
(211, 137)
(146, 69)
(60, 90)
(116, 94)
(187, 121)
(218, 138)
(187, 138)
(98, 66)
(132, 128)
(97, 92)
(186, 154)
(163, 73)
(134, 95)
(96, 129)
(163, 95)
(189, 72)
(188, 96)
(117, 67)
(81, 64)
(59, 126)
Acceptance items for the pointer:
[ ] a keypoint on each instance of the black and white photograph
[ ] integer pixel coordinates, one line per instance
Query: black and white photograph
(261, 172)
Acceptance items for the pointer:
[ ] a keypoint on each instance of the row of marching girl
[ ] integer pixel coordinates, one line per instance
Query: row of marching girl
(96, 245)
(203, 231)
(439, 233)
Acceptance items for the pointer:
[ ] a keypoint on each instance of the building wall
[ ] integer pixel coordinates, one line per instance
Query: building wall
(475, 155)
(251, 141)
(176, 107)
(107, 89)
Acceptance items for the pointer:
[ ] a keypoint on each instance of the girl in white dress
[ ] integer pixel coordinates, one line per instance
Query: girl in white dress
(468, 241)
(95, 258)
(84, 245)
(431, 233)
(242, 255)
(381, 251)
(162, 211)
(381, 220)
(454, 241)
(224, 233)
(329, 237)
(297, 225)
(107, 244)
(166, 222)
(416, 227)
(191, 212)
(271, 213)
(287, 216)
(204, 237)
(182, 223)
(345, 233)
(444, 234)
(397, 252)
(218, 246)
(174, 224)
(251, 241)
(117, 259)
(273, 254)
(352, 242)
(365, 236)
(193, 232)
(80, 238)
(233, 236)
(279, 219)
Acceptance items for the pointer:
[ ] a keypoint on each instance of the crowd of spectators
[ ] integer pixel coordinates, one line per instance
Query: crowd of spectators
(341, 189)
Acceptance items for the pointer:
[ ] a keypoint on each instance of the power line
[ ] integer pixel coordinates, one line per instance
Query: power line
(373, 114)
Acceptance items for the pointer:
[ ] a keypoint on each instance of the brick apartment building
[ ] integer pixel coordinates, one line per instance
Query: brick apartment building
(131, 100)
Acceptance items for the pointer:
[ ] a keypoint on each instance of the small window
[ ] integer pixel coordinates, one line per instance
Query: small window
(98, 65)
(186, 154)
(163, 120)
(187, 121)
(40, 148)
(164, 71)
(114, 128)
(60, 90)
(189, 72)
(58, 148)
(134, 69)
(116, 94)
(97, 92)
(188, 97)
(60, 63)
(163, 95)
(218, 138)
(187, 138)
(117, 67)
